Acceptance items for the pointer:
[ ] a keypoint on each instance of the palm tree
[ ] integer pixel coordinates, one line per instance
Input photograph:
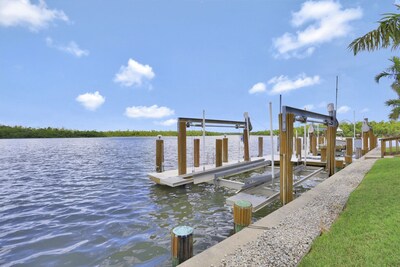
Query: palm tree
(387, 34)
(393, 72)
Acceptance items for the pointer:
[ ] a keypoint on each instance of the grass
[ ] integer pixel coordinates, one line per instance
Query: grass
(367, 233)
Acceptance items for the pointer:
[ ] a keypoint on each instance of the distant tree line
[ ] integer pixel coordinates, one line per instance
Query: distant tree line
(381, 129)
(28, 132)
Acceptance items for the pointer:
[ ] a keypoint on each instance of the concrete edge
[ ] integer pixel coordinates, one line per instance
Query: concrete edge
(213, 255)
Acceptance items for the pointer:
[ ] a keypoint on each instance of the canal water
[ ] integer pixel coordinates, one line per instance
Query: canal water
(88, 202)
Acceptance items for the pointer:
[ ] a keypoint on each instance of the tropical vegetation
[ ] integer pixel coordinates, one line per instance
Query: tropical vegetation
(386, 35)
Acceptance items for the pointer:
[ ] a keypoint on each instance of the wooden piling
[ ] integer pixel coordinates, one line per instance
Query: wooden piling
(349, 151)
(339, 164)
(330, 149)
(383, 148)
(181, 244)
(298, 148)
(260, 146)
(313, 144)
(196, 152)
(159, 155)
(365, 148)
(323, 153)
(371, 136)
(182, 147)
(218, 152)
(225, 149)
(242, 212)
(285, 155)
(246, 145)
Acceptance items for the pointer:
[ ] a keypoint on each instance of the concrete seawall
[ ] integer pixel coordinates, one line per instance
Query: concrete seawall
(283, 237)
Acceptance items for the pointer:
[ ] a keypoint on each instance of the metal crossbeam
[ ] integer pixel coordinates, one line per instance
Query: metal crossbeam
(215, 123)
(302, 115)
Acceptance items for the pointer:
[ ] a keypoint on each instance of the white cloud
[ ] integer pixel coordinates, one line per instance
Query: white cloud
(343, 109)
(364, 110)
(26, 14)
(91, 101)
(148, 112)
(169, 122)
(72, 48)
(258, 88)
(282, 84)
(133, 74)
(324, 21)
(309, 107)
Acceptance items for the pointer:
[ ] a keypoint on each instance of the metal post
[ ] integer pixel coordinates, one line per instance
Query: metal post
(272, 144)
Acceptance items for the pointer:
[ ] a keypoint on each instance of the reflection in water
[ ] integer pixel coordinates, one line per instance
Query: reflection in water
(80, 202)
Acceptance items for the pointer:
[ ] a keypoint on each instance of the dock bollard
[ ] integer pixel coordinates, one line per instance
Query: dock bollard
(242, 211)
(159, 154)
(181, 244)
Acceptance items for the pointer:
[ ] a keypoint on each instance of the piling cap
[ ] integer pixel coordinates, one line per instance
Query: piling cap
(182, 230)
(243, 203)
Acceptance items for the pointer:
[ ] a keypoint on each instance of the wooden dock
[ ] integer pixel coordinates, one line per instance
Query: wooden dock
(206, 173)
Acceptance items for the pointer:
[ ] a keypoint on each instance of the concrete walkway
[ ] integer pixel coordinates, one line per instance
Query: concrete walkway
(283, 237)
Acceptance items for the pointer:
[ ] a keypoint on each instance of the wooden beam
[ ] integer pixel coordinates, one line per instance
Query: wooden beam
(246, 145)
(218, 152)
(225, 149)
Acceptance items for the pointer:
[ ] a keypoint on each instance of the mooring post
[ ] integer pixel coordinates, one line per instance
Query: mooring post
(246, 145)
(298, 148)
(159, 154)
(323, 153)
(181, 244)
(225, 149)
(371, 136)
(331, 148)
(242, 212)
(365, 143)
(260, 146)
(314, 144)
(196, 152)
(182, 148)
(349, 151)
(218, 152)
(285, 154)
(383, 148)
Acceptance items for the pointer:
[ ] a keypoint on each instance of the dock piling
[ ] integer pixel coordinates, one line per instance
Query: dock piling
(224, 149)
(182, 147)
(181, 244)
(242, 212)
(349, 151)
(246, 145)
(196, 152)
(218, 152)
(159, 154)
(260, 146)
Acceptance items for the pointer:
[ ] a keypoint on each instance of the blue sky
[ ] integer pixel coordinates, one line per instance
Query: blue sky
(110, 65)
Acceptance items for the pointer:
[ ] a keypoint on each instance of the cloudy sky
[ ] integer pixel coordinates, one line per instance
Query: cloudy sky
(124, 64)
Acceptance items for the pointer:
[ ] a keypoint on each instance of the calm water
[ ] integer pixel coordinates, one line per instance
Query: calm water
(80, 202)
